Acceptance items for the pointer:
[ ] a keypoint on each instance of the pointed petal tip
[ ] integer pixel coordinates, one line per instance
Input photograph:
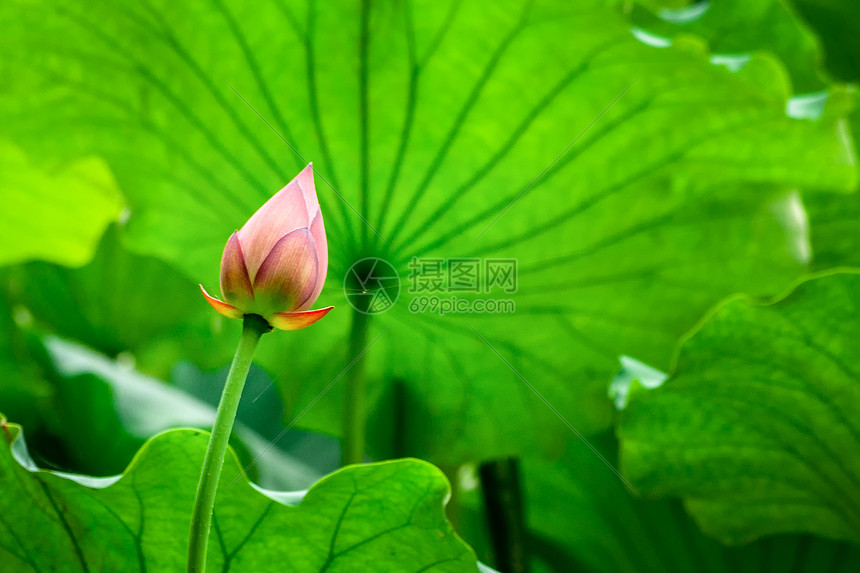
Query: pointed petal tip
(306, 182)
(222, 307)
(305, 179)
(307, 171)
(297, 320)
(284, 212)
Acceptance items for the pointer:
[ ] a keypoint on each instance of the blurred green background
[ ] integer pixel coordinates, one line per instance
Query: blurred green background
(642, 162)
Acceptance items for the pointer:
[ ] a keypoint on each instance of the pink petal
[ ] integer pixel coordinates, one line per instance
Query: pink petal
(305, 180)
(297, 320)
(285, 212)
(288, 275)
(235, 283)
(318, 233)
(227, 310)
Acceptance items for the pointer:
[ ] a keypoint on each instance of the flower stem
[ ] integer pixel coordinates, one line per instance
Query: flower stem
(355, 408)
(253, 328)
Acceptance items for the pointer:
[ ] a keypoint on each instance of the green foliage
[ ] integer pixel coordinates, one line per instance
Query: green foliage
(381, 517)
(114, 303)
(734, 29)
(642, 161)
(834, 222)
(757, 427)
(115, 409)
(624, 261)
(837, 23)
(24, 385)
(55, 213)
(607, 528)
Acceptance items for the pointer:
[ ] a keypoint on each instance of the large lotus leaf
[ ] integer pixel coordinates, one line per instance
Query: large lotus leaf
(381, 517)
(432, 119)
(54, 212)
(824, 38)
(604, 527)
(757, 428)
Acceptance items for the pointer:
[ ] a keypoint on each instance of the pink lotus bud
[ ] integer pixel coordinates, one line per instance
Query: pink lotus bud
(275, 265)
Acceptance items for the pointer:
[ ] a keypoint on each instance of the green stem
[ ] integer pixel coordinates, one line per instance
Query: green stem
(503, 502)
(355, 408)
(253, 328)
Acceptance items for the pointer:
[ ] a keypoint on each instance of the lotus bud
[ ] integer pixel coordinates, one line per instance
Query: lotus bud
(275, 265)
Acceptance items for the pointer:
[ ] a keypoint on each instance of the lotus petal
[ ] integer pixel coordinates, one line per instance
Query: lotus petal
(288, 276)
(222, 307)
(305, 180)
(297, 320)
(285, 212)
(235, 282)
(318, 233)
